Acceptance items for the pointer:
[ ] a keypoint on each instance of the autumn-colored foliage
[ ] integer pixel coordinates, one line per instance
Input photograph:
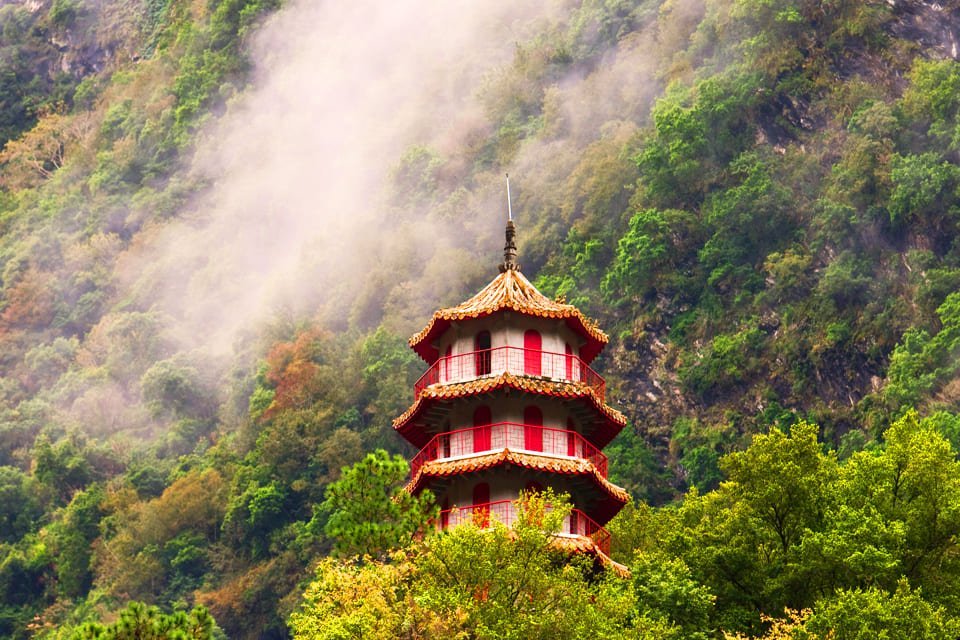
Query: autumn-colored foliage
(758, 199)
(30, 302)
(293, 370)
(151, 543)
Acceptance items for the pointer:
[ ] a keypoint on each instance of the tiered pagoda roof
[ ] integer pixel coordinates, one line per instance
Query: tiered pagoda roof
(611, 498)
(610, 424)
(452, 460)
(510, 291)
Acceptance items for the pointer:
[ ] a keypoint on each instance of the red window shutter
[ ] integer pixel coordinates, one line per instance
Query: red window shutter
(481, 436)
(532, 434)
(532, 352)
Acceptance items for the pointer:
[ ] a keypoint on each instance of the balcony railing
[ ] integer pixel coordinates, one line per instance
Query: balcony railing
(463, 367)
(513, 436)
(506, 512)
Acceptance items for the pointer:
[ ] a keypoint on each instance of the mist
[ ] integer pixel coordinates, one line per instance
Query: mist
(298, 217)
(297, 166)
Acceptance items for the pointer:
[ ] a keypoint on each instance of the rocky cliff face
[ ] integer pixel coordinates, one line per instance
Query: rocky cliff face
(933, 26)
(838, 376)
(48, 47)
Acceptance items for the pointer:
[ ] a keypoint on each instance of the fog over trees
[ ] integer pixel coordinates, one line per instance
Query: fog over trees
(221, 221)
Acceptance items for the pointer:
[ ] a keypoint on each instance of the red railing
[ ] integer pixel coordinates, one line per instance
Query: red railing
(513, 436)
(505, 511)
(463, 367)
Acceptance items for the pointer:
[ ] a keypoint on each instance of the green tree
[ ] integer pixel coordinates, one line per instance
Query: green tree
(388, 369)
(649, 254)
(664, 588)
(369, 510)
(922, 362)
(924, 189)
(141, 622)
(356, 601)
(746, 219)
(697, 132)
(19, 504)
(172, 388)
(864, 614)
(743, 541)
(931, 102)
(512, 583)
(726, 362)
(71, 539)
(24, 570)
(635, 467)
(911, 487)
(778, 485)
(63, 466)
(473, 582)
(150, 549)
(256, 512)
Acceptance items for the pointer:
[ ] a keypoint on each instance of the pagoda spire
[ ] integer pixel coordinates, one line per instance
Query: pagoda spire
(510, 248)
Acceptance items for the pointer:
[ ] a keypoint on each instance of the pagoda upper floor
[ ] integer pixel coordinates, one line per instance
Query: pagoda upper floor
(508, 348)
(510, 338)
(511, 296)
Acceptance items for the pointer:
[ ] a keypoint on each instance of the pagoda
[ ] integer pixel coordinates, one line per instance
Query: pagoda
(508, 404)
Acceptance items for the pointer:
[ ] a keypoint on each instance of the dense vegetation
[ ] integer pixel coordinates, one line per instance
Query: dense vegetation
(863, 547)
(758, 200)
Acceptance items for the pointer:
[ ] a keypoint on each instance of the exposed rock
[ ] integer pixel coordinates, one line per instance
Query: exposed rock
(934, 26)
(650, 395)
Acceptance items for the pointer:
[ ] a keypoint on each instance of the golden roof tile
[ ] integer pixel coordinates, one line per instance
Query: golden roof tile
(530, 384)
(583, 544)
(572, 466)
(509, 291)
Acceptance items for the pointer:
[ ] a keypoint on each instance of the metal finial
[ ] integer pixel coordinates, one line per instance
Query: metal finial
(510, 248)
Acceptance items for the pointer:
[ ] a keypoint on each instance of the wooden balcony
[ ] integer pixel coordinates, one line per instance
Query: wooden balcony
(506, 512)
(509, 435)
(463, 367)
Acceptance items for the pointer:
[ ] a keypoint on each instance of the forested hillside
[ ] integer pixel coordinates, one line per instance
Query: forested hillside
(222, 220)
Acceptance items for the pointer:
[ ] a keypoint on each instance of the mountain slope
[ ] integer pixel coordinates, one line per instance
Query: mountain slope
(199, 328)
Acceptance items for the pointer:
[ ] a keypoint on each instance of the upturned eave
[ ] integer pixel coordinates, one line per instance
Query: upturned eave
(509, 291)
(610, 420)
